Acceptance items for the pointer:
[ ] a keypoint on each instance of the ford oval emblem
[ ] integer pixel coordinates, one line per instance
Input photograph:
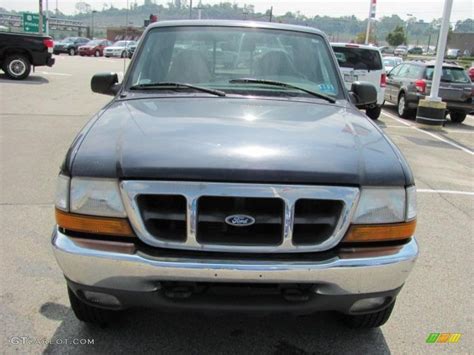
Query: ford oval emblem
(239, 220)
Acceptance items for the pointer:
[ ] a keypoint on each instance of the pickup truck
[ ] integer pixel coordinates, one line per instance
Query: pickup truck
(250, 186)
(19, 52)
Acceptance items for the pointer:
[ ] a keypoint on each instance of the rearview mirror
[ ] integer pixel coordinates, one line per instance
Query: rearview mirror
(105, 83)
(363, 93)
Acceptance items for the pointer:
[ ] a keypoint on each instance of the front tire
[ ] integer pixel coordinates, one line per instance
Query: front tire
(72, 51)
(369, 320)
(374, 112)
(87, 313)
(402, 108)
(457, 117)
(17, 67)
(97, 53)
(123, 55)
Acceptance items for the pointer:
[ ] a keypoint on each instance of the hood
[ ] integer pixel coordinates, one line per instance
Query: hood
(239, 140)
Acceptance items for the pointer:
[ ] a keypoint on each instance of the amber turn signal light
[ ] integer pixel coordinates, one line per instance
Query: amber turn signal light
(380, 232)
(92, 224)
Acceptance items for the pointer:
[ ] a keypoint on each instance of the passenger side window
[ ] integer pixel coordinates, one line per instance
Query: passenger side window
(414, 72)
(396, 70)
(404, 71)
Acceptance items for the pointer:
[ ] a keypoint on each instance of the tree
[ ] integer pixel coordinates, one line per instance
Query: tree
(360, 38)
(465, 26)
(396, 37)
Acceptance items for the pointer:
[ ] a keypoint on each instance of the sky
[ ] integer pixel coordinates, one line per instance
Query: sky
(421, 9)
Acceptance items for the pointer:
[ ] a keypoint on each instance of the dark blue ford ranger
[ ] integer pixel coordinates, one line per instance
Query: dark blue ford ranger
(233, 172)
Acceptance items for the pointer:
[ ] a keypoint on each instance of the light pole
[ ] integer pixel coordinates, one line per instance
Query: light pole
(190, 9)
(432, 110)
(92, 23)
(409, 16)
(47, 18)
(40, 20)
(373, 4)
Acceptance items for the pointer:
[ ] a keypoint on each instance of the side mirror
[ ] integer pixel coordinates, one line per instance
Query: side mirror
(363, 93)
(105, 83)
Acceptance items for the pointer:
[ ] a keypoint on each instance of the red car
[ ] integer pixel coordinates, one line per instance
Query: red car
(470, 72)
(94, 47)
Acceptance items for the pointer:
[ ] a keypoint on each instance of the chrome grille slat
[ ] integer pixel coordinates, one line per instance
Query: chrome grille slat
(289, 194)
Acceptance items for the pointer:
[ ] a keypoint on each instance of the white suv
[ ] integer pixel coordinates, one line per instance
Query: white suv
(362, 63)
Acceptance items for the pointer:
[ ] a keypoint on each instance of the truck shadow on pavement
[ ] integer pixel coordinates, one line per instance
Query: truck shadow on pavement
(31, 80)
(149, 331)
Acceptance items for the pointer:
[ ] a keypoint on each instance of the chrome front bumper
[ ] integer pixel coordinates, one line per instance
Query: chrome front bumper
(345, 274)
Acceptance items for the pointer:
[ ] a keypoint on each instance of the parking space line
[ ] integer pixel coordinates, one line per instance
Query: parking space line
(464, 149)
(53, 73)
(452, 192)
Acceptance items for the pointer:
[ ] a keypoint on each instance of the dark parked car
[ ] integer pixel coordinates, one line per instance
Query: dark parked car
(69, 45)
(411, 81)
(254, 187)
(19, 52)
(94, 47)
(416, 51)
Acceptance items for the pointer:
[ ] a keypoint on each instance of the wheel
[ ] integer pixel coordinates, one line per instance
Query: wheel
(72, 51)
(107, 56)
(369, 320)
(374, 112)
(123, 55)
(457, 117)
(97, 53)
(17, 67)
(87, 313)
(402, 109)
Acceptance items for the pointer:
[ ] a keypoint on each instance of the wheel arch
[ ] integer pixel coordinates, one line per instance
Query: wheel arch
(12, 51)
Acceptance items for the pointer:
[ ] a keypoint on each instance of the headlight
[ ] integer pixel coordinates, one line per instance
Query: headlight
(97, 197)
(62, 193)
(382, 215)
(380, 205)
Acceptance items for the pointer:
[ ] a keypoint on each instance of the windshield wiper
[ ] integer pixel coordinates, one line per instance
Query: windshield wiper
(283, 85)
(175, 86)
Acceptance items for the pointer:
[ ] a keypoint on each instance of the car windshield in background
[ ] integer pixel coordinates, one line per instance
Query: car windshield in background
(389, 62)
(120, 44)
(358, 58)
(450, 75)
(94, 43)
(214, 56)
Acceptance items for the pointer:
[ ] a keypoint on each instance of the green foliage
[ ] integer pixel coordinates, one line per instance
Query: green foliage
(360, 37)
(396, 37)
(465, 26)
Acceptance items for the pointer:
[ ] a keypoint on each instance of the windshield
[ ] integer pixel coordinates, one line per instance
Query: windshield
(389, 62)
(450, 75)
(358, 58)
(213, 56)
(94, 43)
(120, 44)
(68, 39)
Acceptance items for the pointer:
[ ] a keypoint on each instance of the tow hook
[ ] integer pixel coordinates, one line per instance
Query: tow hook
(295, 295)
(180, 292)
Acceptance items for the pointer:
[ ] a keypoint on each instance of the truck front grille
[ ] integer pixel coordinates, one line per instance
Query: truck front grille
(197, 216)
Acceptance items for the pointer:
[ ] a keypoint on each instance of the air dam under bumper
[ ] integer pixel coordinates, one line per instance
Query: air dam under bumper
(139, 272)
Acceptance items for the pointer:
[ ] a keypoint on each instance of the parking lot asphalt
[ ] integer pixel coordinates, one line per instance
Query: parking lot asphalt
(40, 116)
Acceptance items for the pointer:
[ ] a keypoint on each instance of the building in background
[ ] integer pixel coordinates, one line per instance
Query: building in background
(462, 41)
